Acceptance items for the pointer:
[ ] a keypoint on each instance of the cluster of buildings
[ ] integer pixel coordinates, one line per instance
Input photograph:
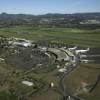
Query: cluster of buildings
(20, 42)
(68, 55)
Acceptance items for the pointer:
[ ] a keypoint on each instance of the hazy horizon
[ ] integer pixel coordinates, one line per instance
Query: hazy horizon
(49, 13)
(39, 7)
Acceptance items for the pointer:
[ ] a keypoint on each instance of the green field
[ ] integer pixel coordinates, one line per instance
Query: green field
(90, 38)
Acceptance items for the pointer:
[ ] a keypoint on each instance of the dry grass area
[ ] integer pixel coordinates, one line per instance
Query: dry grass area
(87, 75)
(49, 95)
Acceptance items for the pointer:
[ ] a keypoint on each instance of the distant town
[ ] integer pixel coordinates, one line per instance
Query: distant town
(77, 20)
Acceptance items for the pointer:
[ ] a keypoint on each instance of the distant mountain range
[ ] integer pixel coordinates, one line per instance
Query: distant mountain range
(53, 15)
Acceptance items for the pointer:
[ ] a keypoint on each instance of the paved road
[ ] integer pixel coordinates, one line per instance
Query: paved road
(63, 88)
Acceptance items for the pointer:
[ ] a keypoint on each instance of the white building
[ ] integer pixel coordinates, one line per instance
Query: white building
(62, 70)
(27, 83)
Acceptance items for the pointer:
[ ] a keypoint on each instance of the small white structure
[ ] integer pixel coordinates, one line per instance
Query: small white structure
(69, 98)
(21, 42)
(66, 64)
(27, 83)
(52, 84)
(62, 70)
(71, 49)
(82, 51)
(47, 54)
(1, 59)
(83, 56)
(67, 58)
(58, 66)
(44, 48)
(25, 44)
(85, 61)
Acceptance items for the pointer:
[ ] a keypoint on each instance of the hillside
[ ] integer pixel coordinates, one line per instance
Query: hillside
(79, 20)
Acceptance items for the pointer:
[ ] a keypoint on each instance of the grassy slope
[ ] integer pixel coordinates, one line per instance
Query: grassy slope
(89, 38)
(84, 73)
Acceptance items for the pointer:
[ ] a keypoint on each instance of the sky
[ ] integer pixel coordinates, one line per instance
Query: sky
(36, 7)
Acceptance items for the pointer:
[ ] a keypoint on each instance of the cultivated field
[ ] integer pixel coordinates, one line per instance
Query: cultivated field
(88, 38)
